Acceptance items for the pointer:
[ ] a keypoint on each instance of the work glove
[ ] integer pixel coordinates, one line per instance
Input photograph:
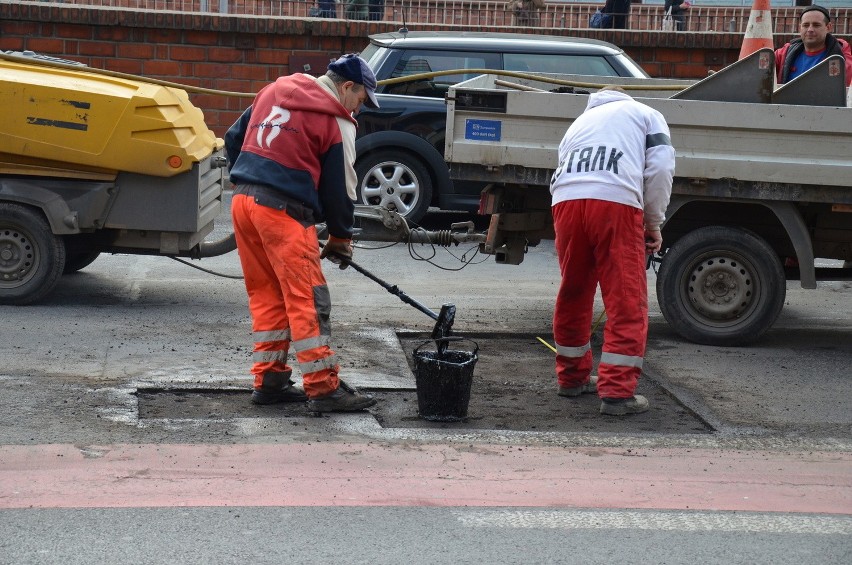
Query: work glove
(336, 247)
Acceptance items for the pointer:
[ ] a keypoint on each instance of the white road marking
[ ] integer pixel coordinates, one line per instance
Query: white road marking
(656, 520)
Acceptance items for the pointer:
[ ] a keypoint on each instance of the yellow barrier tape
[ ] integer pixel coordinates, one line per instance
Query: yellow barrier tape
(553, 349)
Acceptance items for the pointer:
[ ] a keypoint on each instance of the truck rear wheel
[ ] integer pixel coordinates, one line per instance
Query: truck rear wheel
(31, 256)
(721, 286)
(395, 180)
(76, 261)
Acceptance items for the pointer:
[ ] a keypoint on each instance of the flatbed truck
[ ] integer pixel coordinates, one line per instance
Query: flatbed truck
(762, 188)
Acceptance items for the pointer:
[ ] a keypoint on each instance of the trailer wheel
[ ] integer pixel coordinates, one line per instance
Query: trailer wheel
(31, 257)
(721, 286)
(76, 261)
(395, 180)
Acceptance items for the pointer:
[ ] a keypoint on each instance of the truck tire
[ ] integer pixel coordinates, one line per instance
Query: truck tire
(76, 261)
(396, 180)
(721, 286)
(31, 256)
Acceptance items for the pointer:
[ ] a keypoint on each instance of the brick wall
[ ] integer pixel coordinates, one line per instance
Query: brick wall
(241, 53)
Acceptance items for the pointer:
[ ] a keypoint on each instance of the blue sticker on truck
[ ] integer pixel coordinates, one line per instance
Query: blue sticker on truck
(482, 130)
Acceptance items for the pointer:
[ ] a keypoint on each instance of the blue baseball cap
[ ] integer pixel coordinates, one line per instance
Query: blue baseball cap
(354, 68)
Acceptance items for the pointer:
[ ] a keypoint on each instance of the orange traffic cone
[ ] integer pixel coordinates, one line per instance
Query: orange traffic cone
(758, 33)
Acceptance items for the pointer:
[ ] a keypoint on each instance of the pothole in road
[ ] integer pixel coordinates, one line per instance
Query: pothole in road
(514, 388)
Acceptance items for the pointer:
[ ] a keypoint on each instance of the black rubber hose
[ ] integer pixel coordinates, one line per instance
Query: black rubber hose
(215, 248)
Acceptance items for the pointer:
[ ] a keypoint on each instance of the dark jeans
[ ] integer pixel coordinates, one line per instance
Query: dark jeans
(327, 9)
(618, 21)
(377, 10)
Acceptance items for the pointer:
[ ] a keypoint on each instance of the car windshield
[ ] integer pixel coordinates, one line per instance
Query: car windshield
(396, 63)
(418, 61)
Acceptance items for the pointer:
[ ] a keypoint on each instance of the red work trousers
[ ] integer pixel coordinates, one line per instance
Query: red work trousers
(287, 294)
(600, 242)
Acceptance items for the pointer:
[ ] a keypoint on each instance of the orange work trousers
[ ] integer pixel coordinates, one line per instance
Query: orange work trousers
(287, 295)
(600, 242)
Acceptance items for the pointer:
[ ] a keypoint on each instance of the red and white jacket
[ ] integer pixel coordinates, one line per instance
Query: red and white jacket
(299, 139)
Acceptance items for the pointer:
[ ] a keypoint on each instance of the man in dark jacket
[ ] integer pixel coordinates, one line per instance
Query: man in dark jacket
(678, 8)
(619, 10)
(816, 43)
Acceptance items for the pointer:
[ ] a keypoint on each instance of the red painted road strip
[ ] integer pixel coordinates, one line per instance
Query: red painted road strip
(378, 474)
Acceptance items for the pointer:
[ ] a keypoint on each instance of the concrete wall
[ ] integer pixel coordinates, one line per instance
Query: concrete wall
(237, 53)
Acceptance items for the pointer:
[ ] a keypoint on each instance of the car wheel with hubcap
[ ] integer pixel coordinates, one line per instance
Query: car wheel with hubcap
(395, 180)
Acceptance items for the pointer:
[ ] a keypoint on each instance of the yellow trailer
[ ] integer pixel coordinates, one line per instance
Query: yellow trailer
(91, 163)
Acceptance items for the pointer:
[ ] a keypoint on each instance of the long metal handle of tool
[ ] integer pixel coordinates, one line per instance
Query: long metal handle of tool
(443, 321)
(393, 289)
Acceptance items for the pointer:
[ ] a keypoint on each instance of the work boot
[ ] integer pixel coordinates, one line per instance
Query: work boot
(344, 399)
(278, 388)
(292, 393)
(624, 406)
(590, 387)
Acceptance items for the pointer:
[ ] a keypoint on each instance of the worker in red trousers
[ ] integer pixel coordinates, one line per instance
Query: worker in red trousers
(610, 192)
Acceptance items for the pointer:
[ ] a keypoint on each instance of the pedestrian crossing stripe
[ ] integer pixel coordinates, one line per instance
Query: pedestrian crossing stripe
(683, 521)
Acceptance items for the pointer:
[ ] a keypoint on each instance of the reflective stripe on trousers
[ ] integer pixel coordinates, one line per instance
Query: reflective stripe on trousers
(600, 242)
(271, 347)
(287, 294)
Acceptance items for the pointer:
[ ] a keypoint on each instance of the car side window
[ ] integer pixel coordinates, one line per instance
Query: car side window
(559, 64)
(415, 61)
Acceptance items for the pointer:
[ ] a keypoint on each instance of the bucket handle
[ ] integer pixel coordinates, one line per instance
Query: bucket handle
(448, 339)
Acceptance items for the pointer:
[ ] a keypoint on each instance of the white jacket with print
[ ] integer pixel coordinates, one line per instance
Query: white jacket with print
(618, 150)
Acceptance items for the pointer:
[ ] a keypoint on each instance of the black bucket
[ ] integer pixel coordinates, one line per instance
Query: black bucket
(444, 380)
